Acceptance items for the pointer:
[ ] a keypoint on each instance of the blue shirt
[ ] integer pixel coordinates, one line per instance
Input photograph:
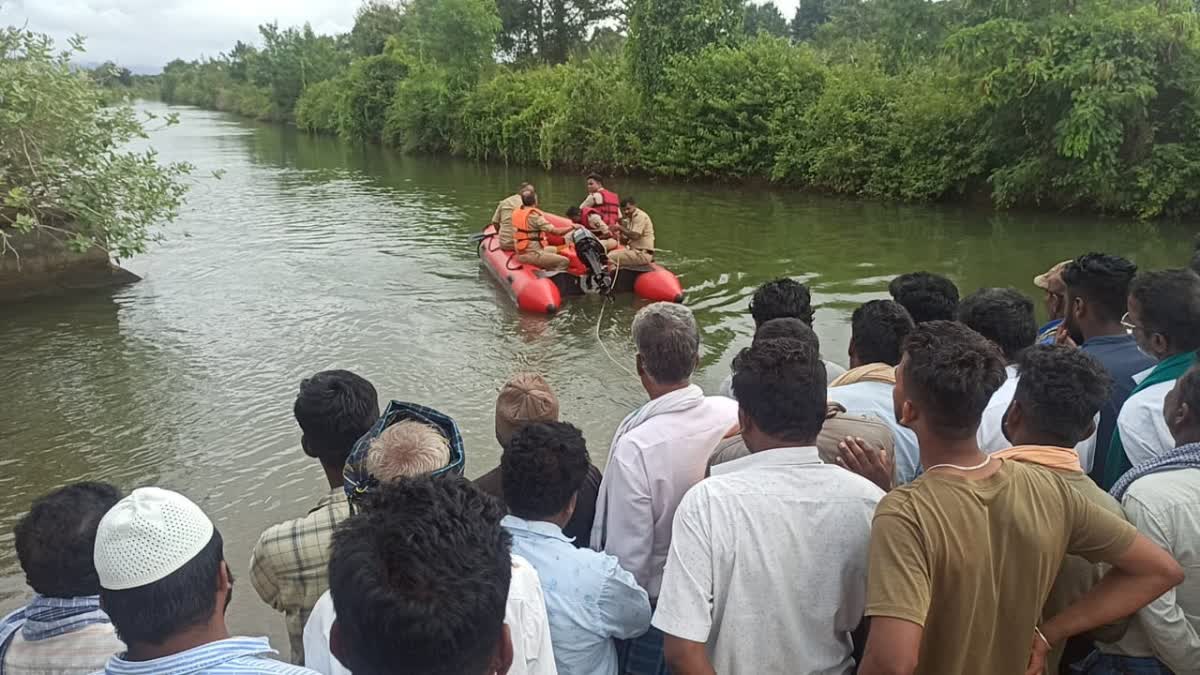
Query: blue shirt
(1122, 359)
(875, 398)
(235, 655)
(590, 599)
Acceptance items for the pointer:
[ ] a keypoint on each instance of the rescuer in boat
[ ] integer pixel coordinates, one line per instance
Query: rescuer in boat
(529, 232)
(636, 231)
(502, 218)
(593, 224)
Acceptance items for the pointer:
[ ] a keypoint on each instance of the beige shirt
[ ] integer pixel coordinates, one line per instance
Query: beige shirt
(594, 200)
(1165, 507)
(639, 231)
(536, 223)
(972, 561)
(502, 219)
(81, 651)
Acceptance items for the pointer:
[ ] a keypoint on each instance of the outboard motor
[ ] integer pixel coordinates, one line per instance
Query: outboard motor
(591, 253)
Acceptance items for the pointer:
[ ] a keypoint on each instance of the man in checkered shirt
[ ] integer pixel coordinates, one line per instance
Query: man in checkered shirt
(289, 565)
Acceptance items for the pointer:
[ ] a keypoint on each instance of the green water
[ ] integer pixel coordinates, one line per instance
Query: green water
(311, 253)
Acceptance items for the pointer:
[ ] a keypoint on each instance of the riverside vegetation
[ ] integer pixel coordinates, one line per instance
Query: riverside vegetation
(1086, 104)
(66, 170)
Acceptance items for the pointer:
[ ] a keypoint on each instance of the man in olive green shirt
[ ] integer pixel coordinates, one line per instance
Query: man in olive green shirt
(502, 218)
(637, 234)
(1054, 408)
(963, 558)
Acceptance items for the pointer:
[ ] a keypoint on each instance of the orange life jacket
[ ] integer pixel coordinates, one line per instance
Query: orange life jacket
(522, 233)
(610, 210)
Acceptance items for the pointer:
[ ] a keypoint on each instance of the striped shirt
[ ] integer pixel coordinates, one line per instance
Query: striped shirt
(235, 655)
(289, 565)
(57, 636)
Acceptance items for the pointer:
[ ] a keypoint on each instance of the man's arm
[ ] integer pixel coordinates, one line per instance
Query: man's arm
(496, 216)
(1173, 637)
(1141, 572)
(262, 571)
(629, 523)
(686, 657)
(893, 647)
(898, 594)
(624, 604)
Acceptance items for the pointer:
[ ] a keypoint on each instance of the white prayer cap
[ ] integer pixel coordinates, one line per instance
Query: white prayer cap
(147, 536)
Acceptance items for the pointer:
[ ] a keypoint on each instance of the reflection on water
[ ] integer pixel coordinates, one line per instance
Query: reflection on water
(312, 253)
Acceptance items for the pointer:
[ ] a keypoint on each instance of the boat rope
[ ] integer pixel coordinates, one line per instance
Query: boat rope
(607, 299)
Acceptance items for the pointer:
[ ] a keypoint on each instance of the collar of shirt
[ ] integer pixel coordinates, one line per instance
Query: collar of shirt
(337, 494)
(794, 456)
(1138, 378)
(538, 528)
(1101, 340)
(195, 660)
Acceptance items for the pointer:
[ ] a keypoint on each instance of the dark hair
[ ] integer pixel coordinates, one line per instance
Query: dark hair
(596, 177)
(573, 211)
(542, 467)
(529, 198)
(1002, 315)
(184, 598)
(1170, 304)
(54, 541)
(628, 201)
(1195, 263)
(953, 371)
(420, 578)
(1102, 280)
(926, 296)
(334, 409)
(1061, 389)
(779, 299)
(878, 329)
(780, 384)
(788, 327)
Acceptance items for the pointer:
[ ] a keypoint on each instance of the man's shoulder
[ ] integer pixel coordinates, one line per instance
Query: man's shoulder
(714, 412)
(285, 536)
(1166, 489)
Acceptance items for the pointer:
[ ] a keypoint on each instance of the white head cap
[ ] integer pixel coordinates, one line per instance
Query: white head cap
(147, 536)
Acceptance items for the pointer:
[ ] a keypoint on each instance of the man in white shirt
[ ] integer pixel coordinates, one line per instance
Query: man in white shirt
(1005, 317)
(1162, 499)
(877, 332)
(659, 451)
(411, 448)
(1164, 319)
(768, 564)
(421, 581)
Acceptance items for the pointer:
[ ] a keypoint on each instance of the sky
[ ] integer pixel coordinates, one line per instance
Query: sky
(145, 34)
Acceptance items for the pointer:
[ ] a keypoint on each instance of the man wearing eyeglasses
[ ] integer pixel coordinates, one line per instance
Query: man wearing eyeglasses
(1164, 319)
(1051, 282)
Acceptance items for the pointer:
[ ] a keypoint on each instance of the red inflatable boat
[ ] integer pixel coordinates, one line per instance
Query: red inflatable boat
(536, 290)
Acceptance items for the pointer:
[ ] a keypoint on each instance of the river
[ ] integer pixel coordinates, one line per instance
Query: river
(311, 253)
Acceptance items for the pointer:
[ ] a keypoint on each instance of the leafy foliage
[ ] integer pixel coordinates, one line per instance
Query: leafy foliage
(375, 22)
(660, 30)
(549, 31)
(64, 168)
(764, 18)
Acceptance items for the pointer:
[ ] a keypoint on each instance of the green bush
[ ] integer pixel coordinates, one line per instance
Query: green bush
(725, 111)
(319, 107)
(423, 116)
(369, 89)
(872, 134)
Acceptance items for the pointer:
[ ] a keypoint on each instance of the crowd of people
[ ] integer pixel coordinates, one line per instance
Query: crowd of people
(975, 495)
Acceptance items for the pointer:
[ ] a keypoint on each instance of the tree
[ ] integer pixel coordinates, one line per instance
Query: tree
(764, 18)
(374, 23)
(549, 30)
(293, 58)
(458, 35)
(810, 15)
(662, 29)
(64, 169)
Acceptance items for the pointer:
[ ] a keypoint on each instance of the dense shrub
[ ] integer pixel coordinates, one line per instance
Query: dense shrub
(368, 90)
(725, 111)
(319, 106)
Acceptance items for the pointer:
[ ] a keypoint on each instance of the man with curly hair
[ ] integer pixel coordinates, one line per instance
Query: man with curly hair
(926, 296)
(62, 630)
(590, 599)
(962, 559)
(419, 580)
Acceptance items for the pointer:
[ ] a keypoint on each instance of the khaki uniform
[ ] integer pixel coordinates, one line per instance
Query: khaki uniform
(502, 219)
(545, 257)
(639, 241)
